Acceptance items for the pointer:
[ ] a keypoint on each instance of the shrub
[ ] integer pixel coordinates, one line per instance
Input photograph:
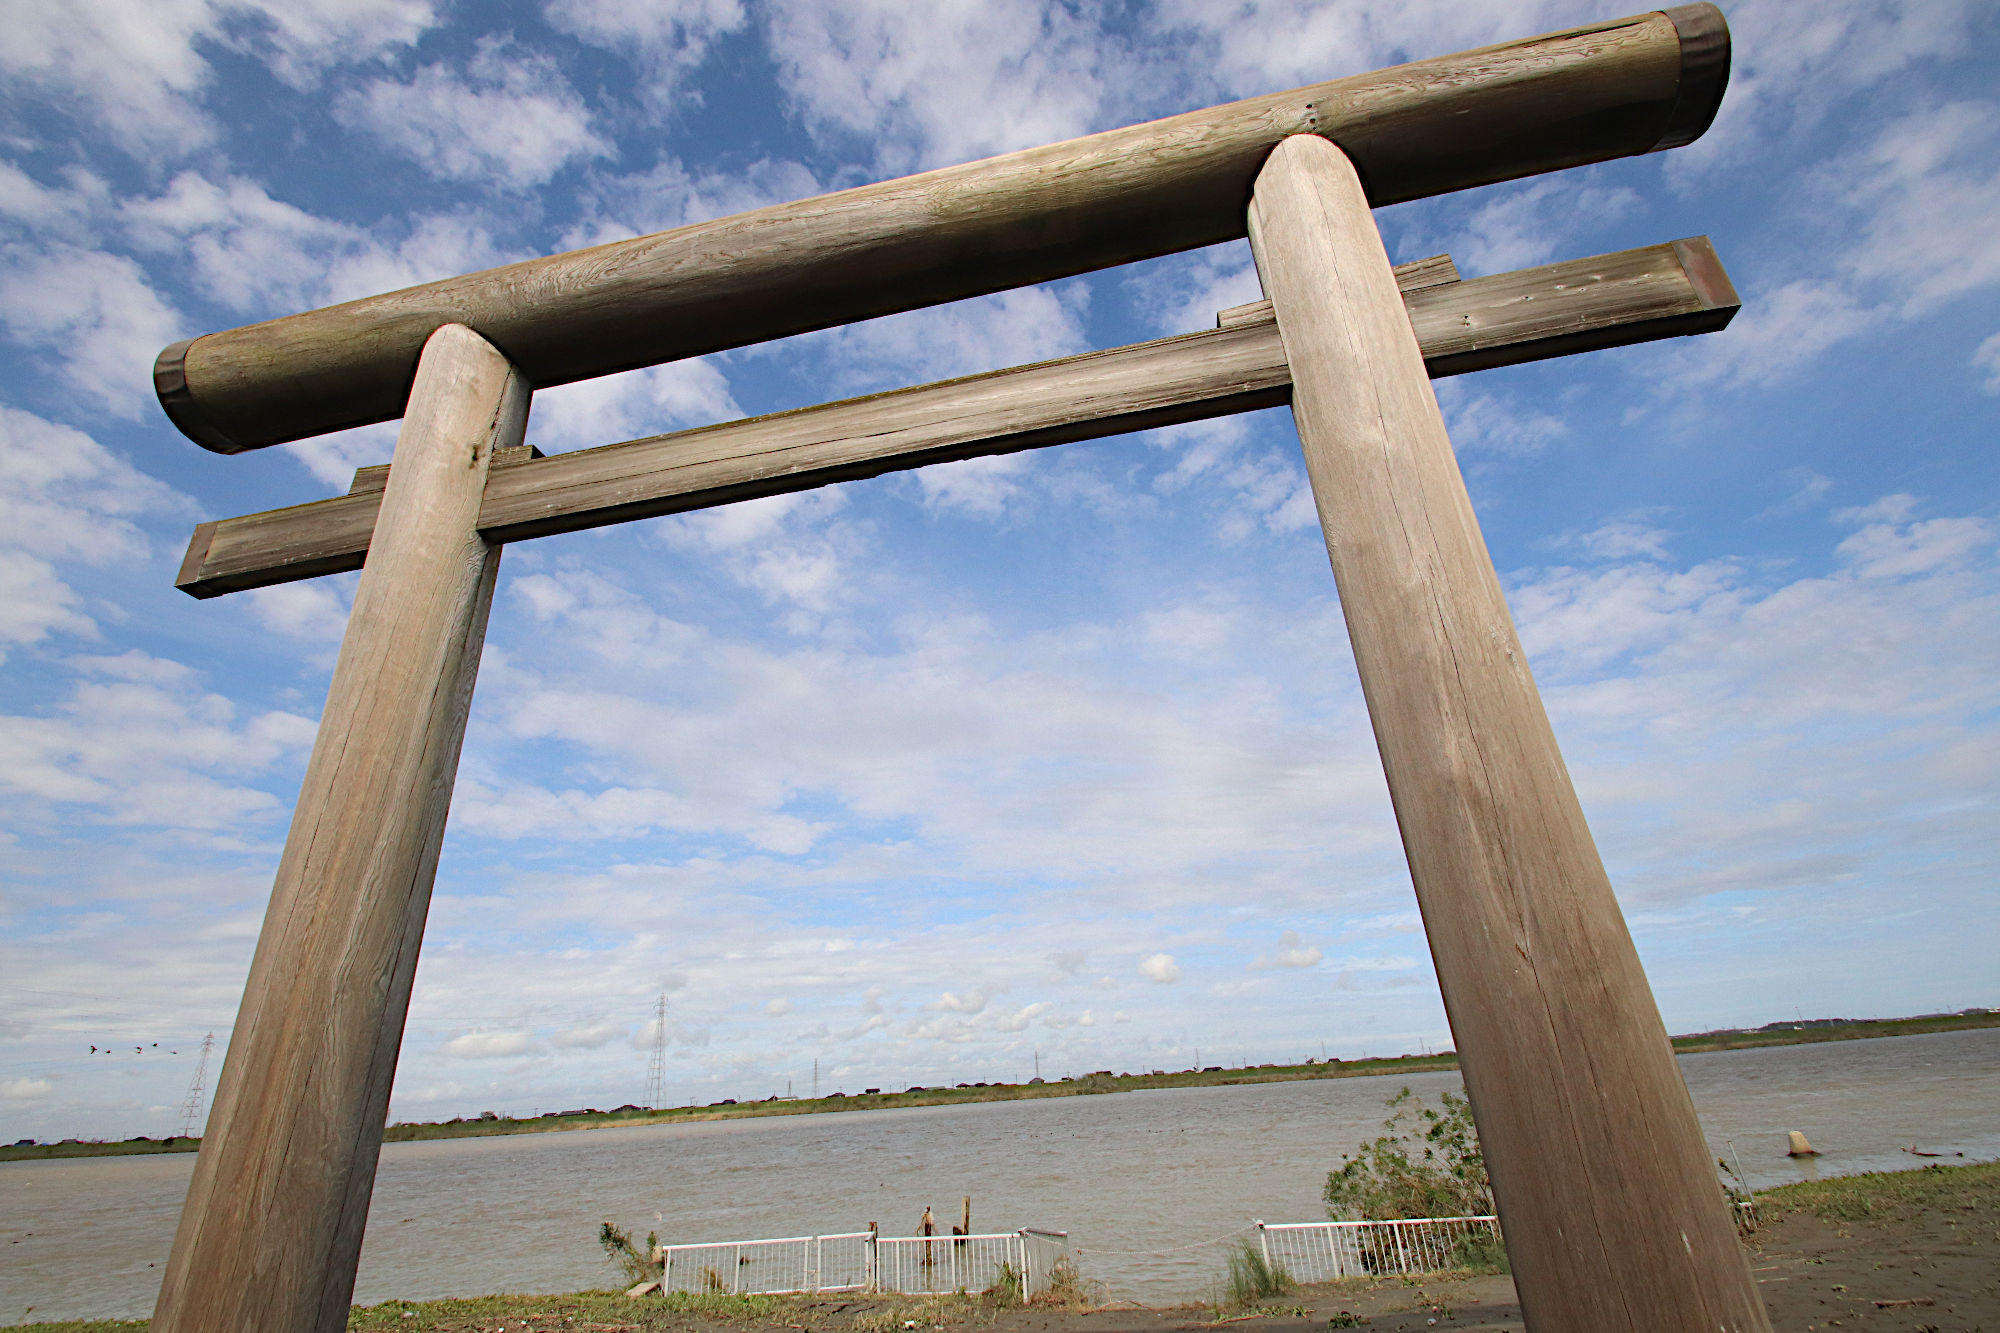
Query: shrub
(1066, 1288)
(1254, 1278)
(618, 1247)
(1427, 1165)
(1005, 1291)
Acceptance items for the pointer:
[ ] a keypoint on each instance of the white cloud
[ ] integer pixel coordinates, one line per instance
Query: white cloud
(1623, 538)
(1292, 951)
(1244, 47)
(612, 408)
(589, 1038)
(1888, 551)
(488, 1045)
(667, 40)
(1905, 239)
(964, 338)
(1519, 226)
(26, 1089)
(92, 314)
(510, 119)
(1020, 1018)
(1377, 963)
(1808, 488)
(668, 194)
(1987, 360)
(315, 611)
(967, 81)
(779, 1007)
(139, 744)
(1161, 968)
(789, 548)
(137, 68)
(971, 1002)
(63, 496)
(1496, 423)
(1790, 67)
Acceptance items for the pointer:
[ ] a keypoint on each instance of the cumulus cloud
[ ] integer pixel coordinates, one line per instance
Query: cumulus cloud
(967, 82)
(140, 71)
(510, 119)
(488, 1045)
(137, 742)
(92, 315)
(588, 1038)
(1020, 1018)
(64, 497)
(612, 408)
(1161, 968)
(1292, 951)
(667, 41)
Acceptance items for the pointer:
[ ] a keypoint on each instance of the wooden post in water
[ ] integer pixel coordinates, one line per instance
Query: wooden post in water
(1613, 1217)
(271, 1231)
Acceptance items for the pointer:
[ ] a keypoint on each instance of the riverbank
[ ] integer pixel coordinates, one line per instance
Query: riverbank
(1889, 1251)
(1101, 1082)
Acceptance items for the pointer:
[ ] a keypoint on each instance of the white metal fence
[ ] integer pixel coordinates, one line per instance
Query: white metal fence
(863, 1261)
(1322, 1251)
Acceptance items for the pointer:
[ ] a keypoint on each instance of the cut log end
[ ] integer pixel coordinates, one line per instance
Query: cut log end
(1704, 35)
(170, 383)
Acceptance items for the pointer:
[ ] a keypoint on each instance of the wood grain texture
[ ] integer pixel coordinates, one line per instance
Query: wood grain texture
(1559, 100)
(1508, 318)
(1613, 1218)
(271, 1231)
(1414, 276)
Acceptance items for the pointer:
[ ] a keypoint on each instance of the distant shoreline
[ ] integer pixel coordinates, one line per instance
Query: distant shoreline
(1774, 1034)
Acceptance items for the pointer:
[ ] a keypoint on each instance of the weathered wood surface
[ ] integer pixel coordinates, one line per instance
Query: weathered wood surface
(1609, 90)
(1613, 1219)
(1610, 300)
(271, 1230)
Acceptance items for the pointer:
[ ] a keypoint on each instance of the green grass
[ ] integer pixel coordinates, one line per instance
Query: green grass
(1890, 1196)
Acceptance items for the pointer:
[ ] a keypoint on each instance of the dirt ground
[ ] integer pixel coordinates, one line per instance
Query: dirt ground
(1903, 1252)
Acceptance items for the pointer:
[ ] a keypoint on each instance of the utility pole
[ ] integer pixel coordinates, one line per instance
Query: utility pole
(191, 1108)
(815, 1079)
(656, 1068)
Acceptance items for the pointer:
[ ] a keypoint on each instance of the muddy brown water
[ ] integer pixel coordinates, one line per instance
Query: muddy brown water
(1150, 1185)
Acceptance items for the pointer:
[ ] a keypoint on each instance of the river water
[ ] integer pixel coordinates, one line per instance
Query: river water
(1148, 1184)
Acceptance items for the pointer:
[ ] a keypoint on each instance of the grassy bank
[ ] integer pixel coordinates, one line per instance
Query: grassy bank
(1103, 1081)
(1887, 1198)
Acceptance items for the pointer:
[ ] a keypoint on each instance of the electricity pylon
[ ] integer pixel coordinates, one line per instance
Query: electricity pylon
(191, 1108)
(656, 1068)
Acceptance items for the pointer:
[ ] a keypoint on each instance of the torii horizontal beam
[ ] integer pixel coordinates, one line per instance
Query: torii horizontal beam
(1611, 300)
(1630, 86)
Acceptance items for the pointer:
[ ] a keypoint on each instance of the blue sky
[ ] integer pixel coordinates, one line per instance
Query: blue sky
(1057, 753)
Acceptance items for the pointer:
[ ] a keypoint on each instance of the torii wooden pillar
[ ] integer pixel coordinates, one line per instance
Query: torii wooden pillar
(1609, 1202)
(1612, 1216)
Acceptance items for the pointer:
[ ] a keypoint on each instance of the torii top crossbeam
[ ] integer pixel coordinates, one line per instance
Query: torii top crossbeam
(1636, 85)
(1613, 1219)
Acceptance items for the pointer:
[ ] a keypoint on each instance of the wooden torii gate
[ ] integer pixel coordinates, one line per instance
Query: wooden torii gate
(1612, 1213)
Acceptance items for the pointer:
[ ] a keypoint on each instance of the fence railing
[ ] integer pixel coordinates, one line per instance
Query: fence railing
(1322, 1251)
(863, 1261)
